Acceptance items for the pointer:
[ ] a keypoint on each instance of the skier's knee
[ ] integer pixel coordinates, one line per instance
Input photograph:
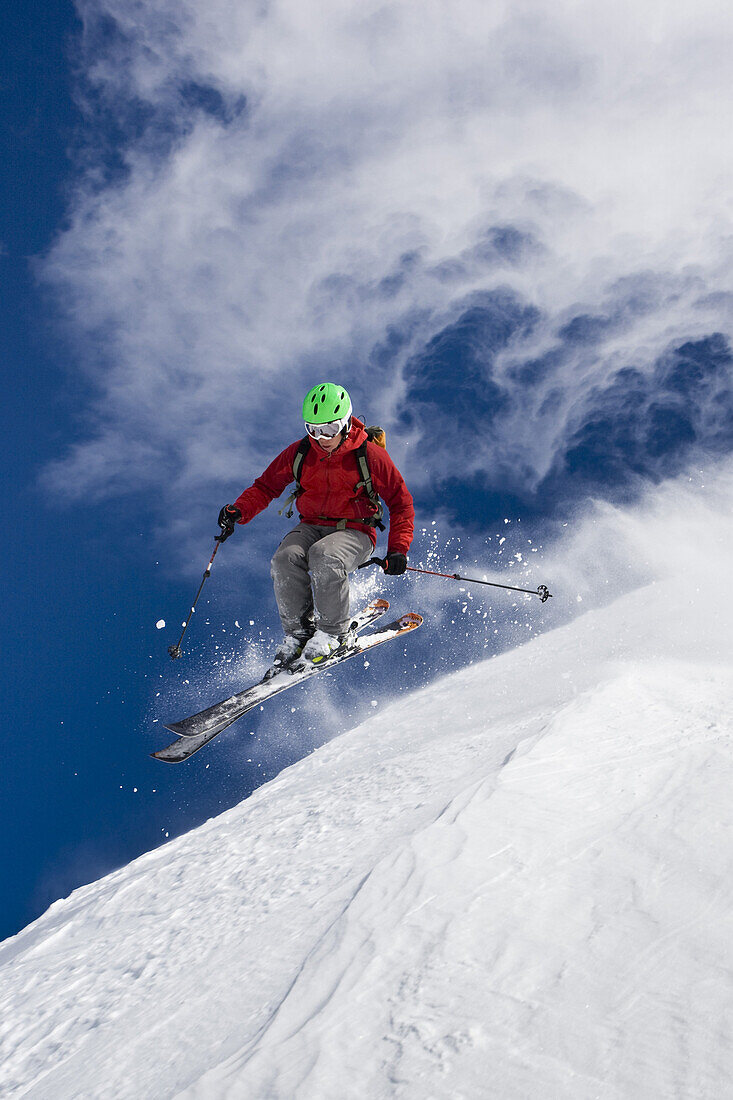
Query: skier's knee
(323, 560)
(286, 558)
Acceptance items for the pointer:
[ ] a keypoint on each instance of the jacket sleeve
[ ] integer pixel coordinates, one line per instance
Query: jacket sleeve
(268, 485)
(390, 485)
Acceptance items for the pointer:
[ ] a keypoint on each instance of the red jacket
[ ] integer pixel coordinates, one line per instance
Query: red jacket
(329, 488)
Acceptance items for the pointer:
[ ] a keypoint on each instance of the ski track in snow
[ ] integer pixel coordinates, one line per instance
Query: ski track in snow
(515, 883)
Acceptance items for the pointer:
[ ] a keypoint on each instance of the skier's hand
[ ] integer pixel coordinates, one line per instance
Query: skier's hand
(227, 518)
(395, 564)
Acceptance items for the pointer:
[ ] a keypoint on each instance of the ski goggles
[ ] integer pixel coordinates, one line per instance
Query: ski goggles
(328, 431)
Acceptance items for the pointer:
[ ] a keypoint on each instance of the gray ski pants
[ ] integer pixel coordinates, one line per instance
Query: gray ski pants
(310, 571)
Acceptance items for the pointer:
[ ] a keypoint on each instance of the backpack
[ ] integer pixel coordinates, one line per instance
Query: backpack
(376, 435)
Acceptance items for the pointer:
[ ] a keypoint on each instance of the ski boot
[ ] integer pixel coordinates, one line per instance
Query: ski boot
(287, 653)
(322, 645)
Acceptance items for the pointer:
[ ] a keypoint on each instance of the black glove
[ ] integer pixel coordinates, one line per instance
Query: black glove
(396, 564)
(227, 518)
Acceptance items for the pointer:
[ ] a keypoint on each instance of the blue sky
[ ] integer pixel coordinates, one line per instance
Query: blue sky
(81, 599)
(506, 237)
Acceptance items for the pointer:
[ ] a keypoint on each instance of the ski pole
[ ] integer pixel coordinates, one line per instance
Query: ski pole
(175, 650)
(542, 591)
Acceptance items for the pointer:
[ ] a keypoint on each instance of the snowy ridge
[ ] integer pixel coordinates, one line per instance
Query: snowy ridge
(517, 882)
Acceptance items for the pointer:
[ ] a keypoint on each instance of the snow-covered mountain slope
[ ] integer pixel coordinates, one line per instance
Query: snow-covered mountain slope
(515, 883)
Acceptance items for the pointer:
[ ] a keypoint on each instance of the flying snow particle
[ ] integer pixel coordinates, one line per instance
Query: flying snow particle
(160, 624)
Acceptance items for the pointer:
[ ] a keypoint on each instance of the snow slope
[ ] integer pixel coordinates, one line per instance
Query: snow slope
(516, 883)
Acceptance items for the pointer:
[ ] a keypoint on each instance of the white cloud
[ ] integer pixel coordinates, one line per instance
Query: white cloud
(677, 533)
(238, 260)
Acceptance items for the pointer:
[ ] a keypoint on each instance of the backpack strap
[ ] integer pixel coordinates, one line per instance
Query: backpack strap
(366, 483)
(298, 460)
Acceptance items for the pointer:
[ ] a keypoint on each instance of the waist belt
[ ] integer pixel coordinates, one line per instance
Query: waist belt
(341, 524)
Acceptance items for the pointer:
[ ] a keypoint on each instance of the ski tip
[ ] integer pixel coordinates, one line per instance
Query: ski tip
(171, 754)
(410, 620)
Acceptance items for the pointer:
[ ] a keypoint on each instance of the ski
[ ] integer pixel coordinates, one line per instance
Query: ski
(197, 731)
(213, 716)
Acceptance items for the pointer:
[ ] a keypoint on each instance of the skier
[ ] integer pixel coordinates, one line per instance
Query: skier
(337, 500)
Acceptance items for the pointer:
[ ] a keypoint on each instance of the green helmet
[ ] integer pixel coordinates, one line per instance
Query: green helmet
(326, 402)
